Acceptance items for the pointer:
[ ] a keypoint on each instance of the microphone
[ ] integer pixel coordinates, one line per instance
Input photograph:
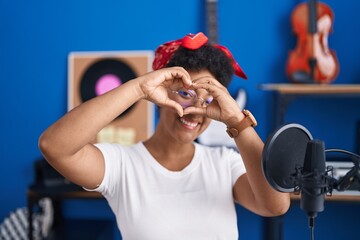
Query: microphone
(293, 161)
(313, 181)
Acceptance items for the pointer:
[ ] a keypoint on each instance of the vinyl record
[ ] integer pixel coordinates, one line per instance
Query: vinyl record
(104, 75)
(94, 73)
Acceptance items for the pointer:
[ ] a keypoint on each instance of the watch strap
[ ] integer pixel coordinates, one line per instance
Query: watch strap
(248, 121)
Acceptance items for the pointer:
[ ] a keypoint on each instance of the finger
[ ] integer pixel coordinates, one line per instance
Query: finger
(182, 75)
(212, 89)
(178, 108)
(195, 110)
(210, 84)
(208, 80)
(175, 75)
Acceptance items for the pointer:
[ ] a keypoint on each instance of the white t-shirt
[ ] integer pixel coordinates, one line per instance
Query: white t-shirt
(152, 203)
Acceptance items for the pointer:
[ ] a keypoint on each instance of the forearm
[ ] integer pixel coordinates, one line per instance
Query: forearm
(265, 198)
(81, 125)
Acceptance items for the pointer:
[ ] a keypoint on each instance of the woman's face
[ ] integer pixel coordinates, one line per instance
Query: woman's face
(189, 127)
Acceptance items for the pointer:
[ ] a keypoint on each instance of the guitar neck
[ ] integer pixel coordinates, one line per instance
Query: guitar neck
(212, 20)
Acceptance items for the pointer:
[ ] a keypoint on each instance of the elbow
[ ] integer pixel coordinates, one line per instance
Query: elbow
(45, 146)
(276, 206)
(280, 210)
(280, 207)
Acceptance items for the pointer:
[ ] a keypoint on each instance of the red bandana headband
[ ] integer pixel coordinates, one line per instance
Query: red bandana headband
(165, 51)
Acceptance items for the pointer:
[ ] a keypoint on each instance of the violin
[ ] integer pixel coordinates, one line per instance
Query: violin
(312, 61)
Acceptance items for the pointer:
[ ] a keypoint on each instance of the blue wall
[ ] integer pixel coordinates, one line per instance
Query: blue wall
(36, 37)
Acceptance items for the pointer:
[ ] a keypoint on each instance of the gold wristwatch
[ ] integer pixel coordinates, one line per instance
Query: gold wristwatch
(248, 121)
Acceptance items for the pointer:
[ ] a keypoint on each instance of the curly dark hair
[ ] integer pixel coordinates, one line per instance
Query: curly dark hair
(206, 57)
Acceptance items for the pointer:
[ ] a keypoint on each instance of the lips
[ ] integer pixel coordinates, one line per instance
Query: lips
(189, 124)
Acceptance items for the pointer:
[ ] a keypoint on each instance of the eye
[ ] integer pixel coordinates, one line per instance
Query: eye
(185, 94)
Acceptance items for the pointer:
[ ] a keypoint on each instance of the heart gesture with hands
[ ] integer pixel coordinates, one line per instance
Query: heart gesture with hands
(155, 85)
(223, 108)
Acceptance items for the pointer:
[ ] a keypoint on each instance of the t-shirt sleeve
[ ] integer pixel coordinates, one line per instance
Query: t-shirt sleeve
(237, 166)
(112, 157)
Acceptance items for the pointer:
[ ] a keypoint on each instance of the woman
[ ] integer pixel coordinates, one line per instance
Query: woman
(170, 187)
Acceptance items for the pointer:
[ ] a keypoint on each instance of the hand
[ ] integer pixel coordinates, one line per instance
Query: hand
(155, 85)
(223, 108)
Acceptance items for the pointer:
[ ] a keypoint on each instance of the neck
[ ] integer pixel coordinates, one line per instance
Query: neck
(170, 153)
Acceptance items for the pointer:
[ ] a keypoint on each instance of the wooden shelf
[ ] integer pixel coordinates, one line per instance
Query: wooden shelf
(334, 197)
(81, 193)
(286, 92)
(63, 228)
(305, 89)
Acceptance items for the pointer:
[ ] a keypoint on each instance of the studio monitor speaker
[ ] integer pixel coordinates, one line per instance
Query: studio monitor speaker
(91, 74)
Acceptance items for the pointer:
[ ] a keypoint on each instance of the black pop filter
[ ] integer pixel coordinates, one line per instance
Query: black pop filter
(284, 150)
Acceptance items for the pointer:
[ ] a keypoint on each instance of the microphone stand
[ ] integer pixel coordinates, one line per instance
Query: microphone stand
(287, 169)
(314, 181)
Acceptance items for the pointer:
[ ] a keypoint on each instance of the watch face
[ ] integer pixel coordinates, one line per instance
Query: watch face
(246, 112)
(253, 120)
(251, 117)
